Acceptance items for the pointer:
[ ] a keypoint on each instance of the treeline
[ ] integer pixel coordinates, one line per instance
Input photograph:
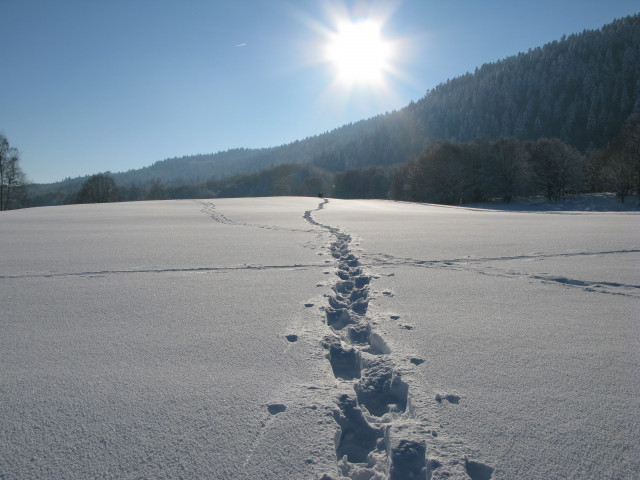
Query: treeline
(463, 172)
(477, 171)
(290, 179)
(384, 140)
(446, 172)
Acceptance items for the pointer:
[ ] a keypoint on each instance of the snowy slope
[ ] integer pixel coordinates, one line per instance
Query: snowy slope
(262, 338)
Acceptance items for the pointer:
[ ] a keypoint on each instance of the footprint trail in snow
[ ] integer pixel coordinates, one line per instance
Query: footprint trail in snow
(378, 436)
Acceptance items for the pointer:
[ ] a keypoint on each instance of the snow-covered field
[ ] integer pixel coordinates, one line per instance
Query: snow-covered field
(266, 338)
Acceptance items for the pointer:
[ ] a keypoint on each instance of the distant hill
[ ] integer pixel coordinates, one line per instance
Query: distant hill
(580, 89)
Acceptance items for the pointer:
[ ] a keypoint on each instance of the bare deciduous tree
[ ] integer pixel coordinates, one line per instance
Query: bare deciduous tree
(99, 188)
(508, 169)
(556, 167)
(619, 173)
(13, 181)
(622, 160)
(156, 191)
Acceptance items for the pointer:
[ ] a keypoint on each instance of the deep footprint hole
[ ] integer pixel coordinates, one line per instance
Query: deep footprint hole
(408, 460)
(381, 388)
(275, 408)
(478, 470)
(345, 362)
(449, 397)
(357, 438)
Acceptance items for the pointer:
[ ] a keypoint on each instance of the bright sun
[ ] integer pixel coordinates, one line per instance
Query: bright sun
(359, 53)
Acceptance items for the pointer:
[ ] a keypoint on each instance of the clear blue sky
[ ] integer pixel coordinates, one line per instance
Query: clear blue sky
(90, 85)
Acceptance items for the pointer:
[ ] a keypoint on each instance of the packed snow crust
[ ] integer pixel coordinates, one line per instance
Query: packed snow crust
(306, 338)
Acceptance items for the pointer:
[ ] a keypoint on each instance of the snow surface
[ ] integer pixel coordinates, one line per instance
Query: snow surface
(263, 338)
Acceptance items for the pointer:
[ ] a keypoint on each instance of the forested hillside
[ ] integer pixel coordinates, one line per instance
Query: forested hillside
(580, 89)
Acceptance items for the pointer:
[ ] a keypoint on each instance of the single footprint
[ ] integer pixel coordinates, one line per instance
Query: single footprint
(449, 397)
(275, 408)
(478, 470)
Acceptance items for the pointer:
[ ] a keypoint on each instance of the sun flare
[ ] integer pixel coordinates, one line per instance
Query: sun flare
(359, 53)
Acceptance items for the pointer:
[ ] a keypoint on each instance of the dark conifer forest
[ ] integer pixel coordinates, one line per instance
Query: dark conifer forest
(558, 119)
